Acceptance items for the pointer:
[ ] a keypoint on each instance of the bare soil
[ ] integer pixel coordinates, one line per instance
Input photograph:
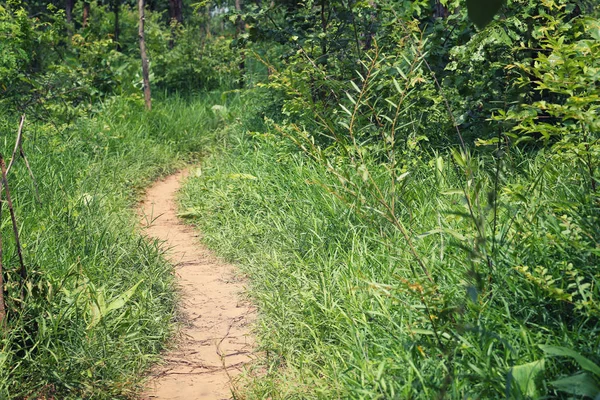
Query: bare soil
(214, 341)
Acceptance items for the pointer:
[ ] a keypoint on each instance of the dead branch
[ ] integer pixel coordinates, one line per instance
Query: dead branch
(19, 147)
(17, 144)
(23, 270)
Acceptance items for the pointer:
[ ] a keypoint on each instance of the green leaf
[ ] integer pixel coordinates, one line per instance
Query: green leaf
(481, 12)
(579, 385)
(422, 331)
(583, 362)
(593, 29)
(451, 232)
(459, 157)
(241, 176)
(122, 299)
(525, 376)
(189, 213)
(397, 85)
(439, 164)
(99, 309)
(346, 110)
(351, 98)
(452, 192)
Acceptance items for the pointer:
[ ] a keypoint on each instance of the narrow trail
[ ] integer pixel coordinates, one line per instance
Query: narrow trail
(214, 342)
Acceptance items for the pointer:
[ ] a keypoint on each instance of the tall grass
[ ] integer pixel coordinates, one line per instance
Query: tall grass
(347, 312)
(100, 300)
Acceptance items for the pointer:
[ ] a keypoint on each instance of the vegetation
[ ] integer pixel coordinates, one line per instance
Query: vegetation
(414, 198)
(99, 300)
(91, 303)
(422, 222)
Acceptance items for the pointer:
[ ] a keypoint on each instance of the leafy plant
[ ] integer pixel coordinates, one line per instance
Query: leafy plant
(581, 383)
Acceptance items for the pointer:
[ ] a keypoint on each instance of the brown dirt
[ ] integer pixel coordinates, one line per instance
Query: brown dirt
(213, 343)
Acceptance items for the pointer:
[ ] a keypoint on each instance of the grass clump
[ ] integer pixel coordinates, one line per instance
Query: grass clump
(99, 301)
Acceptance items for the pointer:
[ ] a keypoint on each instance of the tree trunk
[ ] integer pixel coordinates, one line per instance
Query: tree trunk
(240, 28)
(176, 10)
(145, 71)
(176, 17)
(23, 270)
(371, 26)
(207, 21)
(69, 10)
(86, 13)
(324, 30)
(440, 11)
(116, 6)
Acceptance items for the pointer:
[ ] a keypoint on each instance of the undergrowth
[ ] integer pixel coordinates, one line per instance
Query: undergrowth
(100, 299)
(346, 310)
(419, 220)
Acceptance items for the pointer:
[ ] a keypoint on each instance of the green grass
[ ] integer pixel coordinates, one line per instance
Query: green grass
(327, 332)
(84, 251)
(346, 310)
(344, 307)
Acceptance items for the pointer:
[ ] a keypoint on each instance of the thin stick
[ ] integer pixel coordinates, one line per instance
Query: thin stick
(17, 144)
(35, 186)
(23, 271)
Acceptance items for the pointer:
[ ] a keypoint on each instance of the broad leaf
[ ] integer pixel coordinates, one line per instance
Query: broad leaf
(583, 362)
(525, 377)
(99, 308)
(579, 385)
(122, 299)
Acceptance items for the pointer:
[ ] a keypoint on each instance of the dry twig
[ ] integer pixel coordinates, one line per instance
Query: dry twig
(19, 147)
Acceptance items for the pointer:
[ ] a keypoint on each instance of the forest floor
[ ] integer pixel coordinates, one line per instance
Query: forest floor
(214, 341)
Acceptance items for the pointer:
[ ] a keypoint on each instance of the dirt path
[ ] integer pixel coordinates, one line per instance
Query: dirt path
(214, 343)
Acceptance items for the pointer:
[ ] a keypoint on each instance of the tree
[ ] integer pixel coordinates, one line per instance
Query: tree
(145, 69)
(69, 9)
(440, 10)
(86, 13)
(116, 5)
(176, 10)
(240, 29)
(175, 17)
(207, 20)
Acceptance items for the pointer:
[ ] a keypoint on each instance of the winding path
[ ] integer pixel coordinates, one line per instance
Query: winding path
(214, 343)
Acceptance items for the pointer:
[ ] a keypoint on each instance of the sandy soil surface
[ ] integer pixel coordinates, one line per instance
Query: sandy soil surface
(213, 344)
